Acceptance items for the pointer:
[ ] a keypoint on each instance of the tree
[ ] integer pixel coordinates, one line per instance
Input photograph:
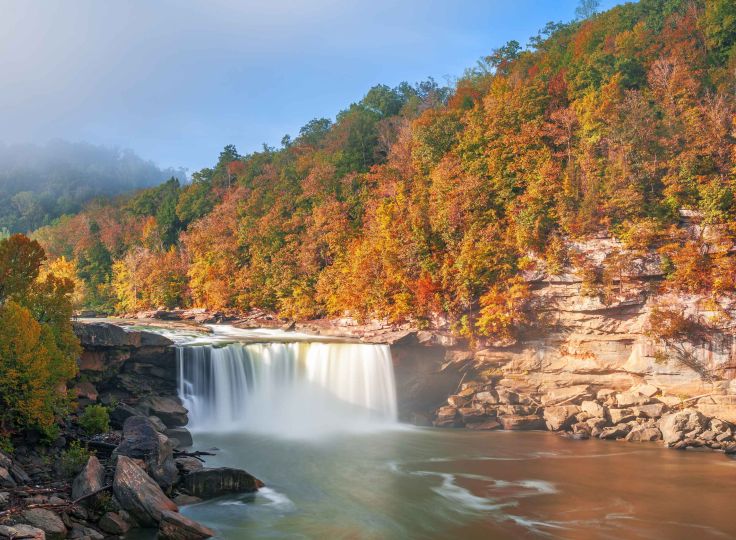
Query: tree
(502, 58)
(586, 9)
(38, 349)
(20, 260)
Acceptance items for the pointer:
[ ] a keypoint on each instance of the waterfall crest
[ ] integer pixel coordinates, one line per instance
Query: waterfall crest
(291, 389)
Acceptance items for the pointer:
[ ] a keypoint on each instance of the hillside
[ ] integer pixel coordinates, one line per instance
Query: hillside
(426, 204)
(39, 183)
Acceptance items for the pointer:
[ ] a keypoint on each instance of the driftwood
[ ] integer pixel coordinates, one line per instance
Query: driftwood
(92, 494)
(50, 506)
(38, 490)
(196, 454)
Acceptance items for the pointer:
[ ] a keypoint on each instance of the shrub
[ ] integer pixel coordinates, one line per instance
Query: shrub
(73, 459)
(95, 419)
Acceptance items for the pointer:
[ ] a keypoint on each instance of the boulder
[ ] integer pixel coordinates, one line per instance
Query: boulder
(80, 532)
(182, 436)
(168, 409)
(568, 395)
(615, 432)
(101, 334)
(188, 464)
(506, 396)
(648, 390)
(114, 523)
(46, 520)
(89, 480)
(447, 417)
(484, 426)
(521, 422)
(120, 413)
(139, 494)
(21, 531)
(458, 401)
(627, 399)
(210, 483)
(581, 429)
(174, 526)
(487, 397)
(158, 425)
(652, 410)
(670, 401)
(5, 461)
(644, 433)
(560, 417)
(721, 407)
(515, 409)
(599, 423)
(6, 479)
(19, 475)
(142, 441)
(471, 415)
(676, 426)
(619, 416)
(185, 500)
(594, 409)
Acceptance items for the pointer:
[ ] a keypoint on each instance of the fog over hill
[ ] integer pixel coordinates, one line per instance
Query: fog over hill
(39, 183)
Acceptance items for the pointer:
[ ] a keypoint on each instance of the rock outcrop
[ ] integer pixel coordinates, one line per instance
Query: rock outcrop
(138, 494)
(122, 365)
(174, 526)
(141, 441)
(90, 480)
(46, 520)
(210, 483)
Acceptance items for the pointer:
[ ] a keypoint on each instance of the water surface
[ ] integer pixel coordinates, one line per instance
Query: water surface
(430, 483)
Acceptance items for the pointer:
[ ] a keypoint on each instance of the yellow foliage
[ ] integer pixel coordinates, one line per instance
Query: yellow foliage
(66, 269)
(503, 309)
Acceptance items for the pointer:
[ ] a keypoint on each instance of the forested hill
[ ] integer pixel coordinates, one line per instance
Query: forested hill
(39, 183)
(421, 201)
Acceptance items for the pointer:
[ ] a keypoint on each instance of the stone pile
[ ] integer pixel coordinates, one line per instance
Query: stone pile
(641, 413)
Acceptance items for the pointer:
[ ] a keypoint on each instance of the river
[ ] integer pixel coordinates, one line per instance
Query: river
(316, 422)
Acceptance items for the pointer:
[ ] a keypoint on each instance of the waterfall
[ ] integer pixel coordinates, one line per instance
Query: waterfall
(291, 389)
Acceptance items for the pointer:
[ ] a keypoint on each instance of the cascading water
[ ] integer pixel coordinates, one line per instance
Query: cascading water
(291, 389)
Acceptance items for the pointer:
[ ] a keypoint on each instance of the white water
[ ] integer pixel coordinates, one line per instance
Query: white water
(299, 389)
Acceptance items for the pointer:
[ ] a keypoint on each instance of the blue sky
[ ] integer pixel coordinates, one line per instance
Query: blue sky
(176, 80)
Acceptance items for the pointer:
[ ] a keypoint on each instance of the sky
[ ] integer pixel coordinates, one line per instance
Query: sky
(177, 80)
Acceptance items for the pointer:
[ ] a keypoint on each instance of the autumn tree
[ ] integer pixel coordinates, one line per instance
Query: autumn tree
(38, 349)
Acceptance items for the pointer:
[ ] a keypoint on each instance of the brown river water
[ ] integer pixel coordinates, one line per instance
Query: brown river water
(435, 484)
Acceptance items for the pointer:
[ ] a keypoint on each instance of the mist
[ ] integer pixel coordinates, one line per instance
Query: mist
(39, 183)
(176, 81)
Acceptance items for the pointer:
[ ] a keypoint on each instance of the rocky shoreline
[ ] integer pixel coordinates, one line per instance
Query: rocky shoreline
(499, 387)
(639, 414)
(136, 475)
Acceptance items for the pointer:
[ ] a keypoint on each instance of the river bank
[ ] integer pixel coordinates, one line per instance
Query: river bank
(136, 473)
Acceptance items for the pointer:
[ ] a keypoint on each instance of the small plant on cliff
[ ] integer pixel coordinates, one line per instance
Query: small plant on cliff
(73, 459)
(504, 309)
(680, 335)
(95, 419)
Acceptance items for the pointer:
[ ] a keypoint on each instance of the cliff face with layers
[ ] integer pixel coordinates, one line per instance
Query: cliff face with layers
(605, 363)
(603, 345)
